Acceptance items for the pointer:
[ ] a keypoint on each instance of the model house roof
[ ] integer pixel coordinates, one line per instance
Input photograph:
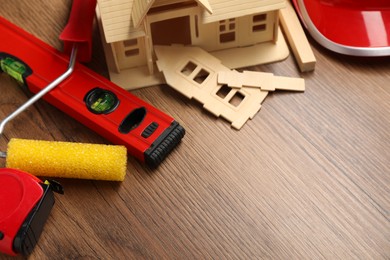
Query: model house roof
(226, 9)
(121, 18)
(141, 7)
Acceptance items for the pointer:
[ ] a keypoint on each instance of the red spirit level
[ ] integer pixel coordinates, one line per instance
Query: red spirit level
(114, 113)
(25, 204)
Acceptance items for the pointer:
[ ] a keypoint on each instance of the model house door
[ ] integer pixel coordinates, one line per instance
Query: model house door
(171, 31)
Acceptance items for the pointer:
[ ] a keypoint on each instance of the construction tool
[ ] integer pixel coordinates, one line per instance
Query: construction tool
(63, 159)
(24, 211)
(76, 34)
(25, 200)
(122, 118)
(68, 159)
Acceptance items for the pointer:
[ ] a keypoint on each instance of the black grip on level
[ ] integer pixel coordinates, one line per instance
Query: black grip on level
(164, 144)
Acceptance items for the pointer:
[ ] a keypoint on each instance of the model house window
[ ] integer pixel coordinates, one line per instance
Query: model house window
(259, 22)
(199, 77)
(235, 97)
(227, 30)
(131, 47)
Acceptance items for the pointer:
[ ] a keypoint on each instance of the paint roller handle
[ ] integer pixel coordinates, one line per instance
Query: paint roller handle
(77, 37)
(79, 29)
(41, 93)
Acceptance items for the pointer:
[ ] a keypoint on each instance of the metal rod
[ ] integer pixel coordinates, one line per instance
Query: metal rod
(41, 93)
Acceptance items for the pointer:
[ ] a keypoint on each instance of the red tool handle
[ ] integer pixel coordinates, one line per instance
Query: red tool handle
(79, 29)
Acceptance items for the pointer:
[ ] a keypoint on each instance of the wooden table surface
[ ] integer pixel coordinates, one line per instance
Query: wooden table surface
(308, 177)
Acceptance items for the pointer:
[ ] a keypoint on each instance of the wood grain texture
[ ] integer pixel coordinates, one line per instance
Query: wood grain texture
(307, 178)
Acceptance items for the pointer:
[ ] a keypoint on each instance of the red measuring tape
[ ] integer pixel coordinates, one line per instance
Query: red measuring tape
(25, 205)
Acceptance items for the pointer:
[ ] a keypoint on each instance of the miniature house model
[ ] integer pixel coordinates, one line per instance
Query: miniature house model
(240, 33)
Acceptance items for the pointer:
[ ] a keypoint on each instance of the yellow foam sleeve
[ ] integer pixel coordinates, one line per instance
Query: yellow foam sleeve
(68, 159)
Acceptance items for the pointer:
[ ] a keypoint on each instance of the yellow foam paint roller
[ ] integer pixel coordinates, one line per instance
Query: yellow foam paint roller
(68, 159)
